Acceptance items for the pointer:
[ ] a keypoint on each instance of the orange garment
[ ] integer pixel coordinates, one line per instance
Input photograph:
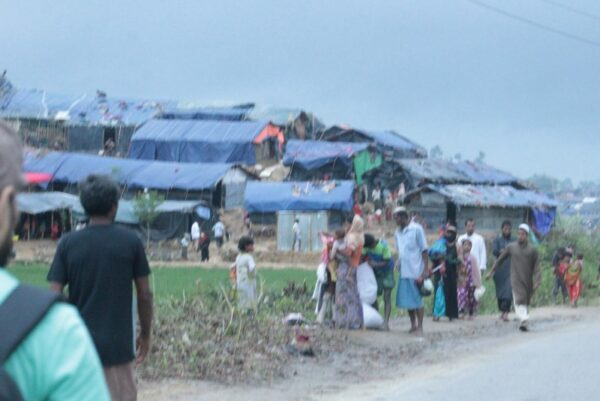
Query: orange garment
(573, 281)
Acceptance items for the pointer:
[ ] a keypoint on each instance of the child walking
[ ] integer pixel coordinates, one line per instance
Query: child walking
(245, 272)
(470, 280)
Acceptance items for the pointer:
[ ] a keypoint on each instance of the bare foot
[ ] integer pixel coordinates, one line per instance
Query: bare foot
(412, 330)
(418, 332)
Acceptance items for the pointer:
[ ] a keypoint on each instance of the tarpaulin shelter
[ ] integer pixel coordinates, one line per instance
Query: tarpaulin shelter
(196, 181)
(174, 217)
(318, 207)
(295, 123)
(310, 160)
(82, 122)
(246, 142)
(440, 171)
(489, 205)
(390, 143)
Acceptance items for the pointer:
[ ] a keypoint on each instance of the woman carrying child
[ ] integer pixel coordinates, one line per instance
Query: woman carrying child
(348, 307)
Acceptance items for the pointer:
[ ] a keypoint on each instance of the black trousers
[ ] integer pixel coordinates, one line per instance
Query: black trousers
(504, 305)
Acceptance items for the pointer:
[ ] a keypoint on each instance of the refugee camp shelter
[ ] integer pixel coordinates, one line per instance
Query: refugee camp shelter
(390, 143)
(319, 207)
(82, 123)
(310, 160)
(218, 184)
(414, 173)
(488, 205)
(193, 141)
(43, 208)
(295, 123)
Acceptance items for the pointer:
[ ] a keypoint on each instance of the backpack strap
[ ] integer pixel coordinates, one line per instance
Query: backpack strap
(20, 313)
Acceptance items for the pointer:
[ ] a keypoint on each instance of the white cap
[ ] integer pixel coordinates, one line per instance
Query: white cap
(524, 227)
(400, 209)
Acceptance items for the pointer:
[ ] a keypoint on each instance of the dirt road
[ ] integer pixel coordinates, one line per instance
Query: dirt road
(380, 365)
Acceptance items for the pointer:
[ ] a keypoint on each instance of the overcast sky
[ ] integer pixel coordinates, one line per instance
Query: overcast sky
(447, 72)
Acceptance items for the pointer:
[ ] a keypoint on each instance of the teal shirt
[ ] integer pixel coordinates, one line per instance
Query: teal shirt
(57, 360)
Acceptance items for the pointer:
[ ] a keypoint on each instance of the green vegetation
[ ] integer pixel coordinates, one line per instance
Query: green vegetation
(179, 281)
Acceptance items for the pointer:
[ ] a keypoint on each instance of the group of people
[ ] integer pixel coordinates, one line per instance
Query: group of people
(457, 265)
(201, 240)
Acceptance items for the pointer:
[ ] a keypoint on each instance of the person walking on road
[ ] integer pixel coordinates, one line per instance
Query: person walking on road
(411, 244)
(525, 274)
(99, 265)
(502, 273)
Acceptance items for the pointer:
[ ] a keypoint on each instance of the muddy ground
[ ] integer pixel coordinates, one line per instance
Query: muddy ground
(370, 356)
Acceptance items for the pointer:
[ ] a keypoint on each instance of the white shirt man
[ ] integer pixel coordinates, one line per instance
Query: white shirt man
(195, 232)
(376, 195)
(219, 231)
(478, 250)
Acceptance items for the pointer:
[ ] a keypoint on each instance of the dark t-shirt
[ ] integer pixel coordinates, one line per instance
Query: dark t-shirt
(99, 264)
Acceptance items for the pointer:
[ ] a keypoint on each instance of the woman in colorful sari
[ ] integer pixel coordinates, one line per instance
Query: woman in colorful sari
(348, 307)
(573, 280)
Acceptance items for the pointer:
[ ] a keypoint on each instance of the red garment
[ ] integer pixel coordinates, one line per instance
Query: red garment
(357, 210)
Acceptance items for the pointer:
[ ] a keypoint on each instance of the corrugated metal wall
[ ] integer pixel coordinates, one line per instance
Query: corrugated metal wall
(489, 219)
(310, 226)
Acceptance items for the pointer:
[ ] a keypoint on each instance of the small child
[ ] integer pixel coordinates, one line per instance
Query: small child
(469, 279)
(245, 273)
(334, 256)
(185, 243)
(559, 282)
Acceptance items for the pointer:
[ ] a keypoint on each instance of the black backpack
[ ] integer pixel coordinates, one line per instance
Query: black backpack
(19, 314)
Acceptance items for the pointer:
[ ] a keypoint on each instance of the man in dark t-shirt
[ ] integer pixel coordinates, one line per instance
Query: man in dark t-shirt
(100, 264)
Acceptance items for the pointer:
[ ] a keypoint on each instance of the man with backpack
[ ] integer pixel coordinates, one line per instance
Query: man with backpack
(46, 352)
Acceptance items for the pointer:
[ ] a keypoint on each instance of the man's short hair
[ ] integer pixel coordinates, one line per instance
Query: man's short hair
(244, 242)
(98, 195)
(470, 219)
(370, 241)
(506, 223)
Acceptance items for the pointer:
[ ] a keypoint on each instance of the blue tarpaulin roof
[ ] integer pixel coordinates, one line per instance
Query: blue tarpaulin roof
(447, 172)
(72, 168)
(79, 109)
(197, 141)
(389, 139)
(315, 154)
(269, 197)
(42, 202)
(488, 196)
(103, 110)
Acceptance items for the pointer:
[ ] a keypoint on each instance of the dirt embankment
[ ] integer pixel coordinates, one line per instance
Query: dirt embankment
(351, 358)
